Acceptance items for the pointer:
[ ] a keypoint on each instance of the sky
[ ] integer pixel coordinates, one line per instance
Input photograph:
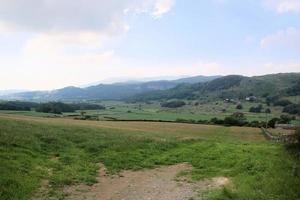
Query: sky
(48, 44)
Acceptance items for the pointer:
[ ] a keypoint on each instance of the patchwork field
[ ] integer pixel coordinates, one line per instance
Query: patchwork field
(40, 157)
(117, 110)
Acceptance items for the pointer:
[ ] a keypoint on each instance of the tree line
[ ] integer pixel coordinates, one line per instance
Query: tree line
(49, 107)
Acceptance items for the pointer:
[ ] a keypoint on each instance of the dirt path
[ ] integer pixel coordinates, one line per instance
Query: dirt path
(155, 184)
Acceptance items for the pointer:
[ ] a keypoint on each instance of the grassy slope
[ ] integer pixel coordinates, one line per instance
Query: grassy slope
(66, 152)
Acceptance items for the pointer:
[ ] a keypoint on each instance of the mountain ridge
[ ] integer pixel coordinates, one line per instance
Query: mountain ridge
(231, 86)
(116, 91)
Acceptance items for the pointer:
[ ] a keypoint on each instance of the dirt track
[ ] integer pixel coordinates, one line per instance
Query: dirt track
(155, 184)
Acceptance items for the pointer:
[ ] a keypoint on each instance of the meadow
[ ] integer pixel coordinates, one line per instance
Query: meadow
(118, 110)
(66, 152)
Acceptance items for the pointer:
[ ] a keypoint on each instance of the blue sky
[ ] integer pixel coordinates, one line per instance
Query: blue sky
(51, 44)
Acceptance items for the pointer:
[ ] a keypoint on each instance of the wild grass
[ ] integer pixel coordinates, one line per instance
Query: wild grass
(67, 152)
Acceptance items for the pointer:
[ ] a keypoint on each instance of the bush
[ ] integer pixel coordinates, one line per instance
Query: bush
(173, 104)
(55, 107)
(256, 109)
(191, 121)
(271, 99)
(268, 110)
(294, 90)
(17, 105)
(239, 106)
(283, 102)
(284, 119)
(217, 121)
(256, 123)
(293, 109)
(272, 122)
(202, 121)
(236, 119)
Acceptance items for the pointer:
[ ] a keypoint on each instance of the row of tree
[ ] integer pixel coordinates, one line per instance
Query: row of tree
(239, 119)
(50, 107)
(18, 105)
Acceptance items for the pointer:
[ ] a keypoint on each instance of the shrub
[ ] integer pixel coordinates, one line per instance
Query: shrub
(282, 102)
(239, 106)
(17, 105)
(236, 119)
(256, 109)
(268, 110)
(217, 121)
(173, 104)
(185, 120)
(293, 109)
(55, 107)
(294, 90)
(202, 121)
(284, 119)
(272, 122)
(256, 123)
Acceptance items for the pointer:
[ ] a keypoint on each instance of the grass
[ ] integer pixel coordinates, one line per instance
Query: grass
(67, 152)
(134, 111)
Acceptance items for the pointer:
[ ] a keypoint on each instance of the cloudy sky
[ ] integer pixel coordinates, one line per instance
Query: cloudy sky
(47, 44)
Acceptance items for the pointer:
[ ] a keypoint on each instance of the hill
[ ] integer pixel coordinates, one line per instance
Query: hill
(232, 86)
(114, 91)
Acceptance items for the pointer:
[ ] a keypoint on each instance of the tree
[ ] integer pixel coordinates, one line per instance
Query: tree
(268, 110)
(293, 109)
(55, 107)
(286, 119)
(173, 104)
(256, 109)
(272, 122)
(239, 106)
(282, 102)
(236, 119)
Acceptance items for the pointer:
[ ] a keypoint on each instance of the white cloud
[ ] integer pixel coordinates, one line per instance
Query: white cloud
(77, 22)
(289, 38)
(283, 6)
(161, 7)
(79, 15)
(65, 42)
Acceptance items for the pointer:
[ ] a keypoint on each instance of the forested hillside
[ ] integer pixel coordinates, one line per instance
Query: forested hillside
(232, 86)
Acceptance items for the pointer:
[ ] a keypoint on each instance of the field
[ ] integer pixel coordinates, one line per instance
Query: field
(65, 152)
(117, 110)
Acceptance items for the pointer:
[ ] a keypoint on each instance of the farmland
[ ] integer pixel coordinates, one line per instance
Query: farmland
(67, 152)
(118, 110)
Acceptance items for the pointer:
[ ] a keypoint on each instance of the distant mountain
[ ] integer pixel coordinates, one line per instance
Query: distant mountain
(8, 92)
(176, 79)
(196, 79)
(232, 86)
(114, 91)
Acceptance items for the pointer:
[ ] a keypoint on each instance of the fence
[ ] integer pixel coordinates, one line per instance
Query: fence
(290, 138)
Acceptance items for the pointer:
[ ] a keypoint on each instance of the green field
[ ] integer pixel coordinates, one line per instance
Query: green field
(66, 152)
(134, 111)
